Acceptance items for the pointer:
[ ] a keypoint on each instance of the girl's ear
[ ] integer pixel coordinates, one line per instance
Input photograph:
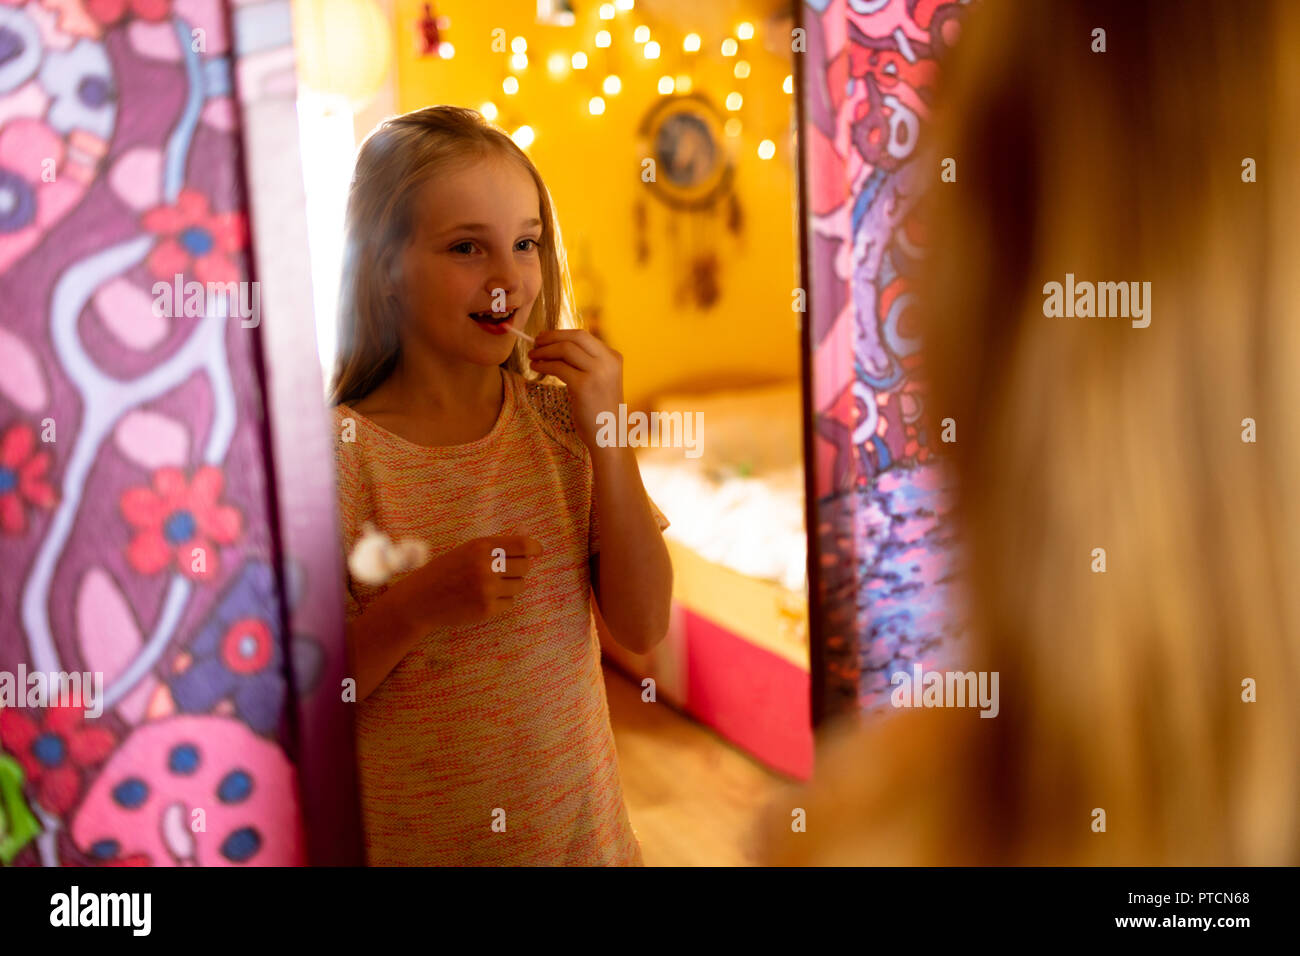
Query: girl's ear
(392, 275)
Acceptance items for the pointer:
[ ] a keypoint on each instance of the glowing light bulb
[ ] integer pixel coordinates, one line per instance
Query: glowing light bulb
(745, 31)
(602, 38)
(742, 69)
(579, 60)
(446, 50)
(734, 101)
(489, 111)
(519, 61)
(729, 47)
(607, 11)
(766, 149)
(612, 85)
(733, 127)
(641, 34)
(557, 63)
(518, 45)
(523, 136)
(692, 43)
(652, 50)
(665, 85)
(510, 85)
(788, 84)
(596, 105)
(684, 83)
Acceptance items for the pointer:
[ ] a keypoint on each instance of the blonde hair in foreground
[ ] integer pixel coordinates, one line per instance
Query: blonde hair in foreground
(395, 161)
(1120, 690)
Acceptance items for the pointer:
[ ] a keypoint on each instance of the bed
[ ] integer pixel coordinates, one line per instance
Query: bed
(736, 655)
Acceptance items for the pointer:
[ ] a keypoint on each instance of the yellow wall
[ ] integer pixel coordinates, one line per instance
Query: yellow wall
(592, 165)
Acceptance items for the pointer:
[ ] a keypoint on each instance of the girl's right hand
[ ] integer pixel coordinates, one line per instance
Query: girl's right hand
(475, 581)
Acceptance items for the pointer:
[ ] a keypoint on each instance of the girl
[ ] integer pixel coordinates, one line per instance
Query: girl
(483, 731)
(1132, 691)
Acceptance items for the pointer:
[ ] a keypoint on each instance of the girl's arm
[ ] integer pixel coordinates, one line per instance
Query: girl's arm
(634, 583)
(385, 632)
(635, 579)
(465, 585)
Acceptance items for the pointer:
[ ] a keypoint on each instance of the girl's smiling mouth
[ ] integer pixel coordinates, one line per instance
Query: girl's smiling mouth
(493, 322)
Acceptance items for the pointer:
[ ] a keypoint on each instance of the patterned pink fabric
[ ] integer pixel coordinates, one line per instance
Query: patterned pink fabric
(141, 540)
(879, 499)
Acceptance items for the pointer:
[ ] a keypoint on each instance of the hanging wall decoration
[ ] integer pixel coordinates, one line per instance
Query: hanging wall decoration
(431, 33)
(688, 168)
(556, 13)
(683, 135)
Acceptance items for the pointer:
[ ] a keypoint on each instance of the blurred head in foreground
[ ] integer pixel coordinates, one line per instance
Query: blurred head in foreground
(1120, 691)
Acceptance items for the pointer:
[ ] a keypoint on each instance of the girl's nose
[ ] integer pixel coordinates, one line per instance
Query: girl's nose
(504, 274)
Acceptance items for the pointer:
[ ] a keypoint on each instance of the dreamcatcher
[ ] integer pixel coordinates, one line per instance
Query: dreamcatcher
(690, 171)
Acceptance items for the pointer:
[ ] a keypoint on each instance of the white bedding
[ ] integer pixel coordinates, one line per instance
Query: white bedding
(753, 524)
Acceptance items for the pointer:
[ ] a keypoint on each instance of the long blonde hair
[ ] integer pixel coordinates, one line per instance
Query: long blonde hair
(1121, 691)
(395, 161)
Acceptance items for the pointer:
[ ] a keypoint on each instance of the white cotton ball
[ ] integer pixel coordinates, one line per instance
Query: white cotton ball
(408, 554)
(375, 558)
(368, 561)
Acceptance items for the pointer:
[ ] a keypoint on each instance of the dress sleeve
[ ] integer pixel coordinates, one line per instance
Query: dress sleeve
(552, 404)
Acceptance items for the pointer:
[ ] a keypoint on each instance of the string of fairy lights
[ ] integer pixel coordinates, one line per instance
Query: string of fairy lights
(601, 59)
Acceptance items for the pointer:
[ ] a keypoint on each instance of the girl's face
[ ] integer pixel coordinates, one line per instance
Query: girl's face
(473, 263)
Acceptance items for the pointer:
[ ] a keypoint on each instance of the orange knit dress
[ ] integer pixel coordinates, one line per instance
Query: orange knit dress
(489, 744)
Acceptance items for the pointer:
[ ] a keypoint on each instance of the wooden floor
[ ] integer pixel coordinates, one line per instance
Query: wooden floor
(691, 796)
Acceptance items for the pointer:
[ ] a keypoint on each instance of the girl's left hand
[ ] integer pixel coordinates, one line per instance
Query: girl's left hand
(591, 369)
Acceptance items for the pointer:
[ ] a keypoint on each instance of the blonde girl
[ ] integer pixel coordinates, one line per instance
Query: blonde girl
(483, 730)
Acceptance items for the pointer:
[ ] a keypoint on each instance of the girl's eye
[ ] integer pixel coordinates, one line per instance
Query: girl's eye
(465, 247)
(531, 248)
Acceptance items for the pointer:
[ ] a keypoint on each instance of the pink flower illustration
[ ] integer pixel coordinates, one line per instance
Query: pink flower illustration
(109, 12)
(54, 750)
(174, 517)
(22, 478)
(194, 237)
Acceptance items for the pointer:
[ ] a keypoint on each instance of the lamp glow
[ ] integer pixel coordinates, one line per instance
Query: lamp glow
(692, 43)
(596, 105)
(607, 11)
(766, 149)
(518, 45)
(519, 61)
(745, 31)
(788, 84)
(523, 136)
(683, 83)
(602, 38)
(729, 47)
(742, 69)
(734, 101)
(623, 4)
(641, 34)
(665, 85)
(733, 127)
(557, 63)
(579, 60)
(510, 85)
(612, 85)
(652, 50)
(350, 58)
(446, 50)
(489, 111)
